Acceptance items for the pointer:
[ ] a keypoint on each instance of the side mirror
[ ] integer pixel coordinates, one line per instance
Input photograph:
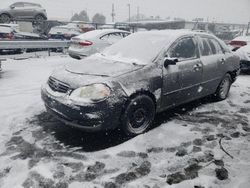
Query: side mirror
(170, 61)
(12, 7)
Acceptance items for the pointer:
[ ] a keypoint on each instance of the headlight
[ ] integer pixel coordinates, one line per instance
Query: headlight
(91, 93)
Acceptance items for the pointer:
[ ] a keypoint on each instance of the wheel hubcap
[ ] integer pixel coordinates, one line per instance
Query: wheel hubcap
(4, 18)
(139, 116)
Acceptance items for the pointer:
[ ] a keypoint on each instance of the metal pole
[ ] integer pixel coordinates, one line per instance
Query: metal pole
(129, 12)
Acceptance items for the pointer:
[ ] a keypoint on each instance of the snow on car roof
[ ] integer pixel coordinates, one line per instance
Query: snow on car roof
(96, 33)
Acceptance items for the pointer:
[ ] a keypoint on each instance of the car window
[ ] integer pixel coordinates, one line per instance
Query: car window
(183, 49)
(112, 37)
(205, 47)
(212, 46)
(18, 5)
(216, 45)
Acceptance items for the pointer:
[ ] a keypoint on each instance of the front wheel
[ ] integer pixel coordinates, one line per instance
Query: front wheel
(138, 115)
(223, 88)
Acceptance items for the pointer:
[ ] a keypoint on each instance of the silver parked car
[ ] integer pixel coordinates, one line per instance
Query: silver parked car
(139, 76)
(23, 10)
(94, 41)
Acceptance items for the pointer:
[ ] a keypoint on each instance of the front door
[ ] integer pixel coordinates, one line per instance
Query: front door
(181, 82)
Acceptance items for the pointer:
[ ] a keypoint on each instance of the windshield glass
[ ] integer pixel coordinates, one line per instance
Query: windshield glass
(140, 48)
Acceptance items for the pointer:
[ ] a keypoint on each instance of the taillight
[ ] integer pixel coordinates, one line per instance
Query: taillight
(10, 36)
(86, 43)
(238, 43)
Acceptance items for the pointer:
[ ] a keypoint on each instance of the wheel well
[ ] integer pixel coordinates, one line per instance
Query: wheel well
(6, 14)
(143, 92)
(40, 14)
(233, 75)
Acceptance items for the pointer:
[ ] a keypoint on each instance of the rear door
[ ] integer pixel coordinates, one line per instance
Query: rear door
(181, 82)
(212, 57)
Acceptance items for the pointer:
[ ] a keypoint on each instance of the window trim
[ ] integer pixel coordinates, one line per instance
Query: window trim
(181, 38)
(109, 34)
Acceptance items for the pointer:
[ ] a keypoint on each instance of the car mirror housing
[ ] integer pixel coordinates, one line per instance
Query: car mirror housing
(170, 61)
(12, 7)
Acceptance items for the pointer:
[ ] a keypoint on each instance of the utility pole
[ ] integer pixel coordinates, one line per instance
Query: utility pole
(113, 13)
(138, 13)
(129, 12)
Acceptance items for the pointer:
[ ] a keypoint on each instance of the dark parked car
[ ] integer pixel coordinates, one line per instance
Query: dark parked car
(64, 32)
(139, 76)
(23, 10)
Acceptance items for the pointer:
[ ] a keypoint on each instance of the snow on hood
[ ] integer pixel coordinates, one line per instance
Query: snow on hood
(93, 69)
(101, 66)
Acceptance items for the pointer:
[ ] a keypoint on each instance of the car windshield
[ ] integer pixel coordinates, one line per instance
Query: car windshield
(140, 48)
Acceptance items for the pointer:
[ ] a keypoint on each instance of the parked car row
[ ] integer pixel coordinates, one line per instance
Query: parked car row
(12, 32)
(142, 74)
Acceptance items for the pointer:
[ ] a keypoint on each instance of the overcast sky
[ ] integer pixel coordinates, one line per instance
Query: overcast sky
(233, 11)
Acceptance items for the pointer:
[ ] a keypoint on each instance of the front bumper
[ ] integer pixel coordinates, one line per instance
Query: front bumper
(91, 117)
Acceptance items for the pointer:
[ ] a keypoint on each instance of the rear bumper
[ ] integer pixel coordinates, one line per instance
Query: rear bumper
(78, 54)
(93, 117)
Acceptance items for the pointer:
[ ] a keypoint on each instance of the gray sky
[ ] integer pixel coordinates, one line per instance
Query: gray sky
(233, 11)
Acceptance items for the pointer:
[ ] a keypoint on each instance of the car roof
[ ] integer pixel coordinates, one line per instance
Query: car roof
(99, 32)
(174, 33)
(23, 2)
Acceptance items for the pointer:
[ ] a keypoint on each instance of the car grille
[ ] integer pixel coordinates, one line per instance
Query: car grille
(57, 85)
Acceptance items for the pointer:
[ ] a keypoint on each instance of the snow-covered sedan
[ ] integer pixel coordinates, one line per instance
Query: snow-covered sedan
(139, 76)
(94, 41)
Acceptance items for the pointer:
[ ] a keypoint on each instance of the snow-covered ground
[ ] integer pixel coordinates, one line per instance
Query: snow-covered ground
(183, 149)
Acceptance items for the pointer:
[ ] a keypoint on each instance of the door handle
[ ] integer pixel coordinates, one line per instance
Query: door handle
(197, 67)
(222, 61)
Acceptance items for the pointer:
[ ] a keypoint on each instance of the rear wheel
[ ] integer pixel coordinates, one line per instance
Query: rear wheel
(223, 88)
(5, 18)
(138, 115)
(40, 18)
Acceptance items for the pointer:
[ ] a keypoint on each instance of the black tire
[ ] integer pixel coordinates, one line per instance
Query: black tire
(138, 115)
(39, 18)
(223, 88)
(5, 18)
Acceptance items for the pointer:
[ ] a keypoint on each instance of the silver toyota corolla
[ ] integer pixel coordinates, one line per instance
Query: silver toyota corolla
(139, 76)
(23, 10)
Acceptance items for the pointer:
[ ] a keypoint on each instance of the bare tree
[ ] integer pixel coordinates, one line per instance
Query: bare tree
(82, 16)
(99, 18)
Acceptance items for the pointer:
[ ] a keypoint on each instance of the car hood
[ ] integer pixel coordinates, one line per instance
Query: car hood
(94, 69)
(101, 66)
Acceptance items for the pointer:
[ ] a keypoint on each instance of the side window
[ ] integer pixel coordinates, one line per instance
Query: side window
(112, 37)
(217, 46)
(212, 46)
(205, 47)
(183, 49)
(18, 5)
